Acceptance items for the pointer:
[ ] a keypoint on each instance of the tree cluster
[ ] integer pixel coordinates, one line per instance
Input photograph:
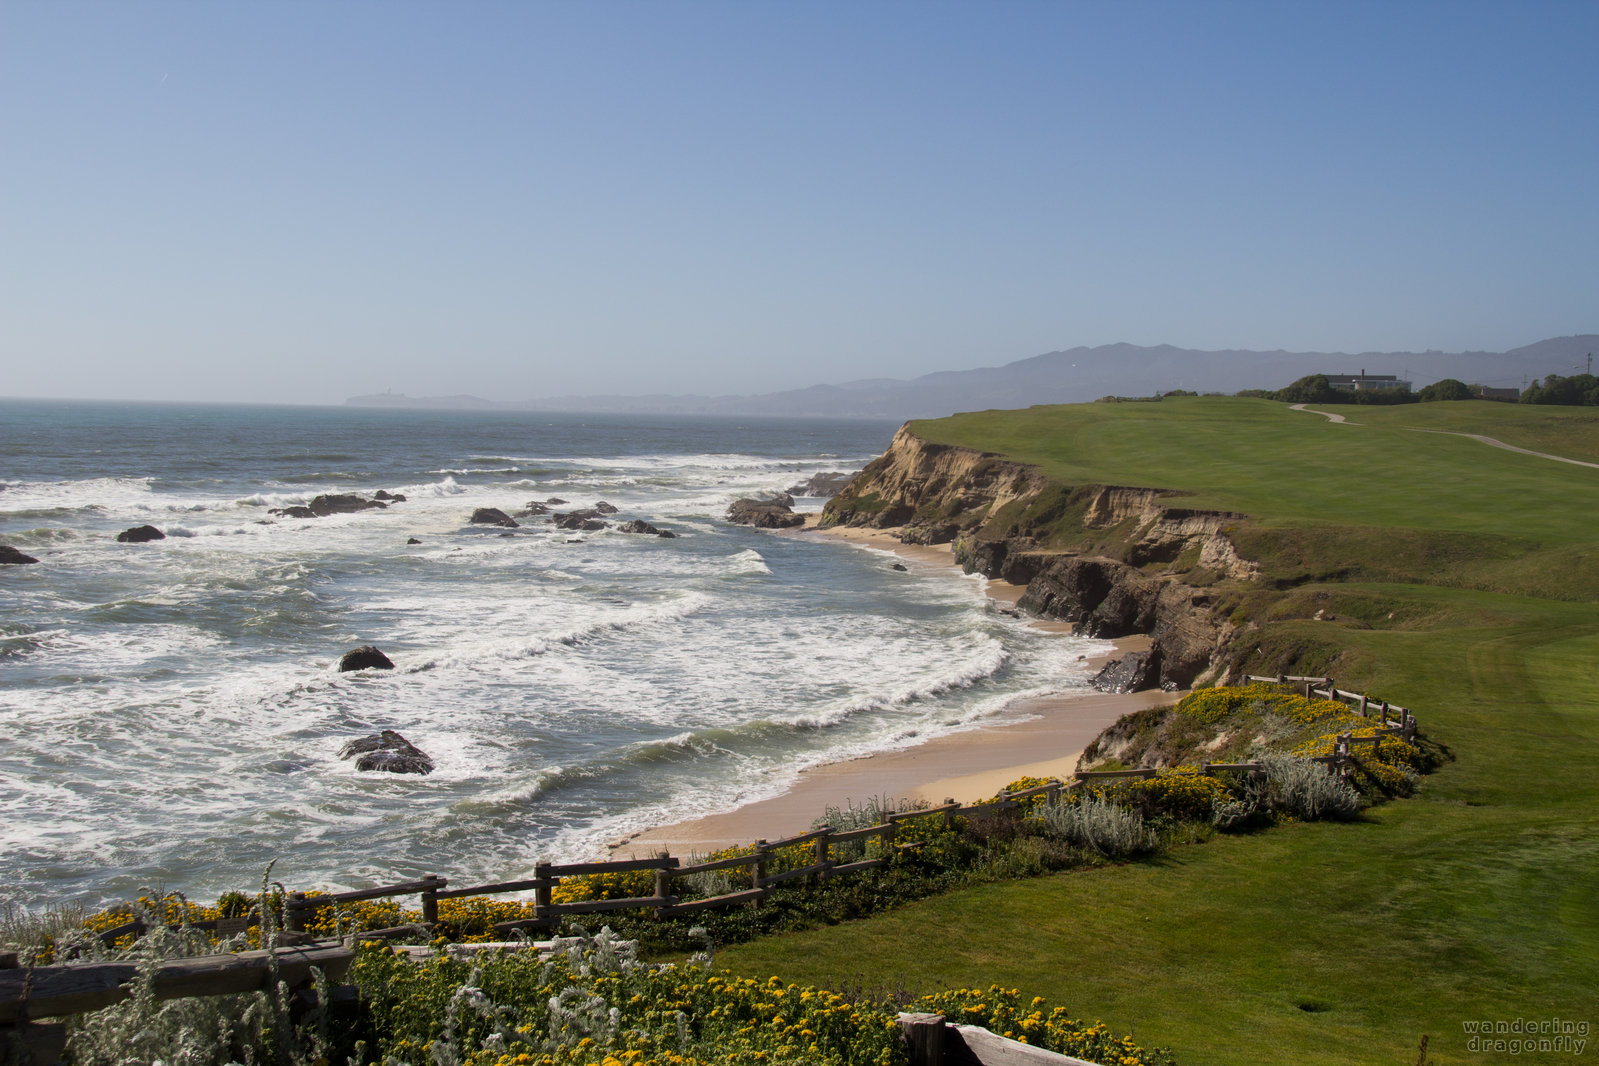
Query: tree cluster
(1579, 391)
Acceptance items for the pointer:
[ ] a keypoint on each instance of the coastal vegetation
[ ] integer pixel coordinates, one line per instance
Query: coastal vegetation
(1403, 558)
(595, 1001)
(1393, 553)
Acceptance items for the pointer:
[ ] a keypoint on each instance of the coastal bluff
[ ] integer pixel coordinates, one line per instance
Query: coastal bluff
(1113, 561)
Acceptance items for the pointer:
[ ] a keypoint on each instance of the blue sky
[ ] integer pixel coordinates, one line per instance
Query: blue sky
(298, 202)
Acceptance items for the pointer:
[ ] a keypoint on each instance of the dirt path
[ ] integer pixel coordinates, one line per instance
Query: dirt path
(1453, 433)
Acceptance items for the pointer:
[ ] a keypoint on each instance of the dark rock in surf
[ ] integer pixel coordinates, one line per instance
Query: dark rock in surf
(1133, 672)
(901, 567)
(389, 497)
(365, 657)
(140, 535)
(555, 501)
(343, 503)
(412, 540)
(328, 504)
(606, 508)
(764, 514)
(533, 509)
(8, 554)
(492, 516)
(389, 752)
(579, 520)
(637, 526)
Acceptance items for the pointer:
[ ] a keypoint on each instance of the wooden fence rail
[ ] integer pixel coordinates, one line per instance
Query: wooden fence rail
(934, 1042)
(27, 995)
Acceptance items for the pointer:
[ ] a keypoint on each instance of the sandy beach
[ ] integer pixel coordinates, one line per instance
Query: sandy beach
(1040, 738)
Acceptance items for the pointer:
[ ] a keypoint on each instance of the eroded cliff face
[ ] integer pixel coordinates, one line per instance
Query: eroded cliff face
(999, 514)
(932, 492)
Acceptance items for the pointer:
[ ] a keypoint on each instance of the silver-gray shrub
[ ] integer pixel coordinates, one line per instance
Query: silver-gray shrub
(1308, 789)
(1301, 787)
(869, 813)
(1113, 831)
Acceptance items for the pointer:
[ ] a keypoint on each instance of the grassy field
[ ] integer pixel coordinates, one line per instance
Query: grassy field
(1478, 900)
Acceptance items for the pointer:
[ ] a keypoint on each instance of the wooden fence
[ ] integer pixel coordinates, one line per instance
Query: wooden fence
(52, 991)
(892, 831)
(69, 989)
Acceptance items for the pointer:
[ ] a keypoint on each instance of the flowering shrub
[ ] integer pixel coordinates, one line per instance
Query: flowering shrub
(1180, 793)
(1212, 705)
(602, 1007)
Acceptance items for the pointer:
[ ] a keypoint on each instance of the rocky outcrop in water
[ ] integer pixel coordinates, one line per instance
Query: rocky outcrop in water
(492, 516)
(388, 752)
(389, 497)
(10, 555)
(329, 504)
(585, 520)
(606, 508)
(140, 535)
(765, 514)
(638, 526)
(365, 657)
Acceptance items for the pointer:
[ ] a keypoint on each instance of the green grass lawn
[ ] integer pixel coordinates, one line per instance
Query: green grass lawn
(1328, 943)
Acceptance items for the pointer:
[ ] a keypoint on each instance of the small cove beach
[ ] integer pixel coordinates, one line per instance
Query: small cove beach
(1038, 737)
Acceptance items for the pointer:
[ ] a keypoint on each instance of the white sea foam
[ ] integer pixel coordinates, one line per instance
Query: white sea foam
(173, 712)
(104, 493)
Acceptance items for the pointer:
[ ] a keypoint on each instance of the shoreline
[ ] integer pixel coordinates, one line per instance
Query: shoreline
(1041, 737)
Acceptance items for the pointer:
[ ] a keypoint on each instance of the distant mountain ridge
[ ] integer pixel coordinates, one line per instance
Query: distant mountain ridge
(1075, 375)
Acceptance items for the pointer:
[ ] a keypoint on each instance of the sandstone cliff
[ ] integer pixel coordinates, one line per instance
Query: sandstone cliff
(1112, 560)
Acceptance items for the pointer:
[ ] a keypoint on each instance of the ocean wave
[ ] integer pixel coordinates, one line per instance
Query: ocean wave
(633, 616)
(44, 498)
(468, 470)
(746, 563)
(447, 486)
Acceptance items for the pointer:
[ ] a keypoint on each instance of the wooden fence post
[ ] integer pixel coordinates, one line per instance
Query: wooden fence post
(543, 898)
(949, 811)
(820, 852)
(663, 881)
(924, 1033)
(758, 873)
(430, 900)
(294, 913)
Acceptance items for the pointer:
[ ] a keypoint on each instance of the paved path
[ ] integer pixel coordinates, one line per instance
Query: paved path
(1326, 414)
(1474, 436)
(1512, 447)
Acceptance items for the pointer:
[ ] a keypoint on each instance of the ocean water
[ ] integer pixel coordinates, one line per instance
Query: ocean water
(171, 713)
